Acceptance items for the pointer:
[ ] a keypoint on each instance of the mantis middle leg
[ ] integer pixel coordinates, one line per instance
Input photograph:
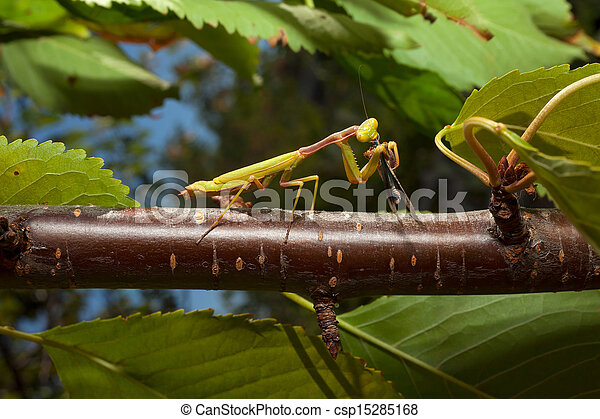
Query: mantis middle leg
(285, 182)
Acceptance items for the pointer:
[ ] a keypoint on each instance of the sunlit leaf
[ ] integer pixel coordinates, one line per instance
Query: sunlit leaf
(32, 173)
(144, 24)
(298, 26)
(196, 355)
(115, 13)
(31, 13)
(469, 41)
(31, 18)
(515, 99)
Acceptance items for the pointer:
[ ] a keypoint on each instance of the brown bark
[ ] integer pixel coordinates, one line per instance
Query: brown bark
(367, 254)
(324, 304)
(510, 226)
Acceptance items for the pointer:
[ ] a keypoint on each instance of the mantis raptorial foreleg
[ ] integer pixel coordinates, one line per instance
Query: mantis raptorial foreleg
(352, 172)
(388, 162)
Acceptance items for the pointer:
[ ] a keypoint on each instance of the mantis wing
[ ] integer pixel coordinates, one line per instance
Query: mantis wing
(394, 188)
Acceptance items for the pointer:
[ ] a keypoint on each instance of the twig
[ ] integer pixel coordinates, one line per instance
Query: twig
(367, 253)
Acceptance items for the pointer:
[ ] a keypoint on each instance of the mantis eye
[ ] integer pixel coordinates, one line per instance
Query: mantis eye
(367, 130)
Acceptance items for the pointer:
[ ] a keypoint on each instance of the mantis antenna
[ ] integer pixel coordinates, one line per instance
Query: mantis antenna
(388, 176)
(362, 96)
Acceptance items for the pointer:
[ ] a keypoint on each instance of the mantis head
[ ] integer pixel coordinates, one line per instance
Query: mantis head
(367, 131)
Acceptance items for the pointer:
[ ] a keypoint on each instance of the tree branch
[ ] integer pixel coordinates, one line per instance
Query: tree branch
(349, 254)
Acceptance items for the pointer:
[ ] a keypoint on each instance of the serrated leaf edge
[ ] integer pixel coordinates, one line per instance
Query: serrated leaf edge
(78, 155)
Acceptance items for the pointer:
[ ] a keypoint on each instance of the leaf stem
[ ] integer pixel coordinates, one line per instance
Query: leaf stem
(8, 331)
(521, 184)
(97, 360)
(301, 301)
(537, 122)
(391, 349)
(482, 154)
(476, 171)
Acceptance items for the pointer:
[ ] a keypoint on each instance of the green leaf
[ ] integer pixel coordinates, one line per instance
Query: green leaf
(552, 16)
(31, 13)
(114, 13)
(421, 95)
(197, 355)
(455, 45)
(232, 49)
(31, 18)
(525, 346)
(574, 185)
(515, 99)
(32, 173)
(404, 7)
(89, 77)
(125, 21)
(296, 25)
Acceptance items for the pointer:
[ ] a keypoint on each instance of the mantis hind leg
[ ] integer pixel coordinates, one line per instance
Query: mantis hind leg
(300, 183)
(250, 180)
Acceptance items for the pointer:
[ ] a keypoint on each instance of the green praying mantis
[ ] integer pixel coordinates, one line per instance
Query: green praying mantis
(262, 173)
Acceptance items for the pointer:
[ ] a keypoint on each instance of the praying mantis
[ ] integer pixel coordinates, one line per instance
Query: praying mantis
(262, 173)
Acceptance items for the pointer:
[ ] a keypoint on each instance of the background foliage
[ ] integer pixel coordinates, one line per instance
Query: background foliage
(254, 79)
